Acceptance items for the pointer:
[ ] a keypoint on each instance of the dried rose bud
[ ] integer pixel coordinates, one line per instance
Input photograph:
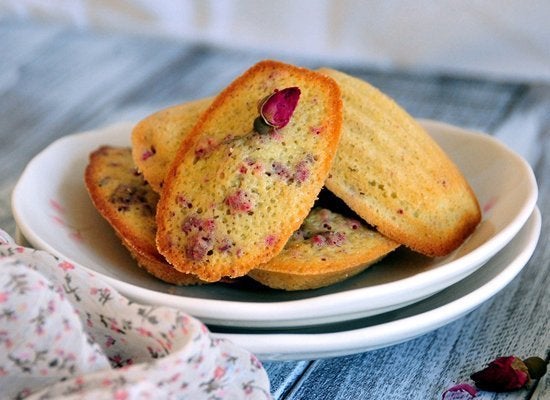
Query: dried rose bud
(277, 109)
(502, 375)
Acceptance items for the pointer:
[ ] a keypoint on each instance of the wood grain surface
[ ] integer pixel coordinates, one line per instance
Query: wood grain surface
(55, 81)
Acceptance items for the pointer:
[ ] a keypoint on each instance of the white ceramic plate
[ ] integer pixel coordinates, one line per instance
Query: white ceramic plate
(53, 211)
(406, 323)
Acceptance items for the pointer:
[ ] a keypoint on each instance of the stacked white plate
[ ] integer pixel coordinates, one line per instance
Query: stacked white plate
(403, 296)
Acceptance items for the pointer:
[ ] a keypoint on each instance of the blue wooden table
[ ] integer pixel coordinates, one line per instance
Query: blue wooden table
(55, 81)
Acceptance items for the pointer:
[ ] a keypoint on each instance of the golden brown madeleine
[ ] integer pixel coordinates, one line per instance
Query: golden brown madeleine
(156, 138)
(128, 203)
(328, 248)
(234, 196)
(393, 174)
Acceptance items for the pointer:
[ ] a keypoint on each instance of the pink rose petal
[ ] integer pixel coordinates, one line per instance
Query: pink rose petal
(462, 388)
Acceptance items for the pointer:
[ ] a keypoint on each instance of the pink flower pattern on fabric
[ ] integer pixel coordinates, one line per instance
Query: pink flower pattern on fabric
(65, 333)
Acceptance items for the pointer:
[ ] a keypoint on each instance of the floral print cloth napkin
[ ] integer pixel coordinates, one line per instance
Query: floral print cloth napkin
(64, 333)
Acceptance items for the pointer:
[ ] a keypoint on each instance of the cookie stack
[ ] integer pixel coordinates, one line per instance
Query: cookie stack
(230, 186)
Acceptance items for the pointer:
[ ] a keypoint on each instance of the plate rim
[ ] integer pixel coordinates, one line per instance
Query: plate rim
(274, 310)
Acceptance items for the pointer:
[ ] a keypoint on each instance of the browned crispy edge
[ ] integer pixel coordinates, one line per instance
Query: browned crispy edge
(284, 276)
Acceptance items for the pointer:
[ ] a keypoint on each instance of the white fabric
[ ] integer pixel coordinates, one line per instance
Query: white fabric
(66, 334)
(509, 39)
